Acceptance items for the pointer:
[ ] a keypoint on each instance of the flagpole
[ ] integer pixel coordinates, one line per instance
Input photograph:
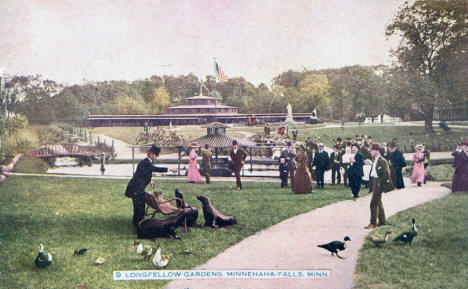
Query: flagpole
(216, 82)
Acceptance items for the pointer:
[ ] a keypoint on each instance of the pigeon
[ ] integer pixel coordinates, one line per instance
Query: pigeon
(336, 246)
(80, 251)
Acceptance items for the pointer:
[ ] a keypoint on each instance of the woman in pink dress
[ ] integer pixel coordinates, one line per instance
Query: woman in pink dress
(193, 175)
(418, 166)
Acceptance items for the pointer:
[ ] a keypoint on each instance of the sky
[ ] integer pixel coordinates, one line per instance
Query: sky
(72, 41)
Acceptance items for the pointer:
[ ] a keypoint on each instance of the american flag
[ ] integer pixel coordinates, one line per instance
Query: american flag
(220, 76)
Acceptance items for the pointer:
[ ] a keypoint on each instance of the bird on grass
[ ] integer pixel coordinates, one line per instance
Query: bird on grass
(379, 240)
(99, 261)
(143, 250)
(43, 259)
(407, 237)
(80, 251)
(336, 246)
(158, 261)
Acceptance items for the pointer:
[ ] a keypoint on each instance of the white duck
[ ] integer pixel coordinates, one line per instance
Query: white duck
(144, 250)
(158, 262)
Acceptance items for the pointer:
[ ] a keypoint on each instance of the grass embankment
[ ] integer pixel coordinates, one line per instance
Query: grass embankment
(438, 257)
(31, 165)
(67, 213)
(408, 136)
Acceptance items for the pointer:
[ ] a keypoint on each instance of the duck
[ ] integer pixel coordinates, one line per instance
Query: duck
(407, 237)
(144, 250)
(158, 262)
(80, 251)
(336, 246)
(378, 240)
(43, 259)
(99, 261)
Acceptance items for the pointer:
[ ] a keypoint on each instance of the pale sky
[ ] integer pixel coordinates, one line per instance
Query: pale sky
(68, 41)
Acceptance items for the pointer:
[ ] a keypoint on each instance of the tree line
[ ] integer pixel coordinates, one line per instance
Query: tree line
(429, 69)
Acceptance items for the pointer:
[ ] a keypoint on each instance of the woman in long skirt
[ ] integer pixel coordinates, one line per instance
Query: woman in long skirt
(418, 166)
(302, 180)
(193, 175)
(460, 177)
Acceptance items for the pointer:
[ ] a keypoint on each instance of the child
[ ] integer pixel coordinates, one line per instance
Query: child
(283, 169)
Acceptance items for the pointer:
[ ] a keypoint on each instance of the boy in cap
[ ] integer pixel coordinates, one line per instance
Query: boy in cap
(142, 177)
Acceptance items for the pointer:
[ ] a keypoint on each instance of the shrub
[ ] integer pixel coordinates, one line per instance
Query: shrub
(28, 164)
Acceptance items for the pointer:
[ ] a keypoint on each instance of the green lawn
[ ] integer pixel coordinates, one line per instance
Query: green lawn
(67, 213)
(438, 258)
(438, 173)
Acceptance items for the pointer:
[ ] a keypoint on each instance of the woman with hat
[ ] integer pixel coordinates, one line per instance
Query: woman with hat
(460, 177)
(302, 180)
(418, 166)
(193, 174)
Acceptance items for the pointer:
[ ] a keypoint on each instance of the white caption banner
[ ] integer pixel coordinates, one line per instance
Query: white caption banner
(212, 274)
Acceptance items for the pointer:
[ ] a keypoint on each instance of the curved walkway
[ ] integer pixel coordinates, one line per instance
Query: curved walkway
(292, 244)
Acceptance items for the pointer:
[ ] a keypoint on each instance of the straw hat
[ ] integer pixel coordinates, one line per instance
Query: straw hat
(194, 145)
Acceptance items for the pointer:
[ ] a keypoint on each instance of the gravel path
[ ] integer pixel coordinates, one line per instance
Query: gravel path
(292, 244)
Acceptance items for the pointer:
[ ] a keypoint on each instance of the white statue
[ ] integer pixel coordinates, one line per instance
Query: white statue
(289, 108)
(289, 117)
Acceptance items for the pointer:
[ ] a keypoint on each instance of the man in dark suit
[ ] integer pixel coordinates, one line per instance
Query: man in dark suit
(142, 177)
(238, 156)
(380, 182)
(355, 172)
(289, 154)
(206, 161)
(335, 164)
(321, 163)
(397, 164)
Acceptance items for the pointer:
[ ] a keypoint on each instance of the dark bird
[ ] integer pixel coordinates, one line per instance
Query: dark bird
(379, 240)
(407, 237)
(80, 251)
(336, 246)
(43, 259)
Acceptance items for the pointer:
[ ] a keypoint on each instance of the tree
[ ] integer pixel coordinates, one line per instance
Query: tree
(316, 91)
(161, 99)
(429, 30)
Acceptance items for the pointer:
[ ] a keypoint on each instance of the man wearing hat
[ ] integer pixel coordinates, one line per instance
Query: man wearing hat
(321, 163)
(238, 156)
(289, 154)
(460, 177)
(335, 161)
(379, 183)
(398, 162)
(142, 177)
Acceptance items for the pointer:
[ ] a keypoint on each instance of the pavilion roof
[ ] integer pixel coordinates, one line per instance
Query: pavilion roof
(218, 140)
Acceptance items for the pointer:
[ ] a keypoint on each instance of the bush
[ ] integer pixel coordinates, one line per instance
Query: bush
(31, 165)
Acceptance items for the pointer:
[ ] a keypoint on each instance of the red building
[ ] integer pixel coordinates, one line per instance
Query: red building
(201, 104)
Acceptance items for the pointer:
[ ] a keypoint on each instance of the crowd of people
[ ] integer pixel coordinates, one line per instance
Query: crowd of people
(361, 162)
(350, 161)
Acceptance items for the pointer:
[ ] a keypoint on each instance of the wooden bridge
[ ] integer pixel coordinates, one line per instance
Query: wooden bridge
(65, 150)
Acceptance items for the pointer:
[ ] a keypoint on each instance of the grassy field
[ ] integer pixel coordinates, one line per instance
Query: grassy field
(66, 214)
(438, 173)
(438, 258)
